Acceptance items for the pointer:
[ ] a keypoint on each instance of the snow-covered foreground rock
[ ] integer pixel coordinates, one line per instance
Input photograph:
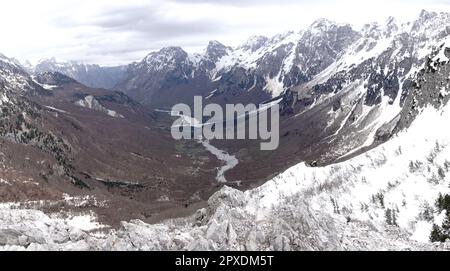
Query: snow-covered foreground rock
(381, 200)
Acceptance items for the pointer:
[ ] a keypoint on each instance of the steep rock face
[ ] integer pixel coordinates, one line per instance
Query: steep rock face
(366, 88)
(385, 57)
(430, 87)
(357, 103)
(322, 45)
(214, 52)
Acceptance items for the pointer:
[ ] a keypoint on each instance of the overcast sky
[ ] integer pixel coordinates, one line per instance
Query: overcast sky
(113, 32)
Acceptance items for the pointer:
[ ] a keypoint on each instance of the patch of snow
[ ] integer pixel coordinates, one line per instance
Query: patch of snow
(3, 181)
(92, 103)
(56, 109)
(211, 94)
(422, 231)
(4, 99)
(441, 57)
(83, 222)
(274, 86)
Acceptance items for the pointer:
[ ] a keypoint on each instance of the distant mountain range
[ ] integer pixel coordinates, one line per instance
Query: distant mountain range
(267, 67)
(90, 75)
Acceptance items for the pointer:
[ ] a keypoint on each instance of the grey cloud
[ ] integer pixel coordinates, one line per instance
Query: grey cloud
(148, 21)
(146, 28)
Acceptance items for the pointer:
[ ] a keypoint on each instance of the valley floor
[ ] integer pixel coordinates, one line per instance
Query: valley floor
(381, 200)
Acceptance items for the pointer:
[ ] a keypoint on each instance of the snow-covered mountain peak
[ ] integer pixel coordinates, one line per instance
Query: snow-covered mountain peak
(166, 57)
(253, 43)
(376, 30)
(216, 50)
(430, 23)
(391, 27)
(9, 61)
(322, 25)
(55, 63)
(426, 15)
(214, 44)
(92, 75)
(66, 67)
(47, 60)
(169, 51)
